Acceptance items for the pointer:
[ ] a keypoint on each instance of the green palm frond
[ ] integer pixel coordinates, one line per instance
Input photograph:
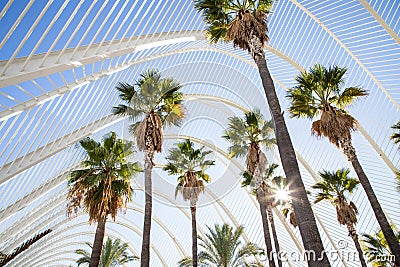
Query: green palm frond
(151, 95)
(105, 163)
(334, 184)
(376, 249)
(220, 16)
(114, 253)
(396, 135)
(319, 88)
(348, 96)
(190, 164)
(222, 246)
(251, 128)
(333, 187)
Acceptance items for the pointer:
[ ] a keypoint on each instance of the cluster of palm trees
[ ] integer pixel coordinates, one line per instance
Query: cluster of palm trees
(102, 185)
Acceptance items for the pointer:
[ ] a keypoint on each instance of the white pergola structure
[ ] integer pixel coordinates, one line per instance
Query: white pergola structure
(60, 62)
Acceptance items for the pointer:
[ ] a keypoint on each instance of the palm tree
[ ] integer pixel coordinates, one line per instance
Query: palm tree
(102, 186)
(396, 136)
(269, 188)
(190, 164)
(332, 188)
(244, 23)
(377, 251)
(152, 102)
(222, 247)
(320, 92)
(113, 254)
(246, 136)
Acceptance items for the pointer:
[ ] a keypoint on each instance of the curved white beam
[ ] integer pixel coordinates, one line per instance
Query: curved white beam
(356, 59)
(34, 68)
(379, 19)
(21, 164)
(131, 226)
(33, 195)
(65, 244)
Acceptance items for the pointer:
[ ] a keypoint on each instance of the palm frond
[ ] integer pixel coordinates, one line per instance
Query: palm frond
(333, 187)
(319, 88)
(103, 186)
(374, 246)
(221, 246)
(190, 164)
(396, 135)
(348, 96)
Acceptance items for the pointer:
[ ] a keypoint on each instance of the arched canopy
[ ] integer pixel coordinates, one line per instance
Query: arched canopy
(60, 62)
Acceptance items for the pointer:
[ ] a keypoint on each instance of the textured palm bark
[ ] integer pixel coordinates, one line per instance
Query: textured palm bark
(267, 236)
(98, 242)
(273, 229)
(148, 168)
(304, 215)
(145, 255)
(390, 237)
(354, 236)
(194, 236)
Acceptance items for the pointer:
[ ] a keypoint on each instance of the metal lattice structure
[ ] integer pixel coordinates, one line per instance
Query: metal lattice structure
(60, 62)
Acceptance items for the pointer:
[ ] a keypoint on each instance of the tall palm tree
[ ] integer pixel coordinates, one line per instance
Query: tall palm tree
(332, 188)
(113, 254)
(396, 135)
(246, 136)
(222, 247)
(152, 102)
(268, 189)
(190, 164)
(376, 249)
(244, 23)
(319, 92)
(102, 186)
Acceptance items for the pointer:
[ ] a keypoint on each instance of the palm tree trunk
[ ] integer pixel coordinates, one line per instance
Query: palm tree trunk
(354, 236)
(145, 255)
(272, 222)
(194, 235)
(306, 221)
(98, 242)
(390, 237)
(267, 236)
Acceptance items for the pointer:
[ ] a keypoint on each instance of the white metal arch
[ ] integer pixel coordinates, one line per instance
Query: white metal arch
(349, 52)
(38, 258)
(131, 226)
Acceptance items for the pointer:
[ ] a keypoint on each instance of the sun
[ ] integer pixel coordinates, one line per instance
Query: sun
(282, 194)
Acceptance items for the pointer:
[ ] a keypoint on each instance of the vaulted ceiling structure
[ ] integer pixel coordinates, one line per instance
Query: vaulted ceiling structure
(60, 62)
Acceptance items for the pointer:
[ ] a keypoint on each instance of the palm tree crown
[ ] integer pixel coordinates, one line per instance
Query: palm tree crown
(222, 247)
(102, 186)
(377, 250)
(229, 20)
(396, 136)
(151, 98)
(320, 91)
(190, 164)
(247, 134)
(113, 254)
(333, 188)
